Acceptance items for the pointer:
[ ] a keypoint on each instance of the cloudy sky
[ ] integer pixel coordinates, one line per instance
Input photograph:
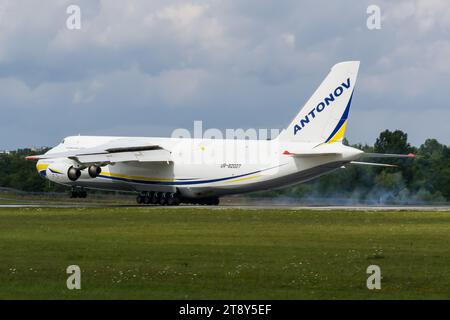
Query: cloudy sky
(147, 67)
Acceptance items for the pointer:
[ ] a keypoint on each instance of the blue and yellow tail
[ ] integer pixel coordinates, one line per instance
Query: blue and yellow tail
(323, 119)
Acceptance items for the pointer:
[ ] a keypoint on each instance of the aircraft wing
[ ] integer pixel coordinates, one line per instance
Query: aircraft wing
(120, 150)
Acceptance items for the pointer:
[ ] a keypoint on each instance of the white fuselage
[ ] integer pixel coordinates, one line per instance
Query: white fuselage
(204, 167)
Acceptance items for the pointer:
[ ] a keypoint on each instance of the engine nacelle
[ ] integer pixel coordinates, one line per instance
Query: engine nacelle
(62, 172)
(66, 172)
(73, 173)
(94, 171)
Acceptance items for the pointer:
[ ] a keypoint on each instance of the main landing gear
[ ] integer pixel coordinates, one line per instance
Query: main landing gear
(78, 193)
(161, 198)
(172, 199)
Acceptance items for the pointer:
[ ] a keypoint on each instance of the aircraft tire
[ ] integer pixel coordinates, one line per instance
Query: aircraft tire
(163, 199)
(173, 199)
(155, 198)
(177, 199)
(149, 197)
(78, 194)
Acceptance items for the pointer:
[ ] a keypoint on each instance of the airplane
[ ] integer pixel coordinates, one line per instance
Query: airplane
(170, 171)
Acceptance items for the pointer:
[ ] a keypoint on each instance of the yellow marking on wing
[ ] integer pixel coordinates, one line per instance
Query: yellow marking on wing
(242, 179)
(340, 134)
(124, 176)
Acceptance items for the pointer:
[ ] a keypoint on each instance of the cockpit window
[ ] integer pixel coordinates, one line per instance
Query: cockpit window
(63, 141)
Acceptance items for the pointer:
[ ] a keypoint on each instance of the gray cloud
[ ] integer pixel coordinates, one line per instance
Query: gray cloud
(147, 67)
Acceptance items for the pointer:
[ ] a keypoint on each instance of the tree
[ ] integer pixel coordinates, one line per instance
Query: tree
(392, 142)
(432, 148)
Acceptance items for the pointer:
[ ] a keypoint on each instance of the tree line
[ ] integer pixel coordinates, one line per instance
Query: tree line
(425, 178)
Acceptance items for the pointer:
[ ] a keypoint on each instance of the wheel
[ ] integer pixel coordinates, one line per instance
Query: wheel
(150, 196)
(176, 199)
(147, 199)
(139, 199)
(155, 198)
(78, 194)
(170, 200)
(163, 199)
(173, 199)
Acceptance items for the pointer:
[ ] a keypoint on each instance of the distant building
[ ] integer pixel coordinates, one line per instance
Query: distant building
(29, 149)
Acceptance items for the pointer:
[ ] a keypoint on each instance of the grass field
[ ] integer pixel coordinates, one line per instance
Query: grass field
(193, 253)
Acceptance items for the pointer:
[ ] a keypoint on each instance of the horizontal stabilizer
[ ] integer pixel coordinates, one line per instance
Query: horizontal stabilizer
(374, 164)
(387, 155)
(310, 154)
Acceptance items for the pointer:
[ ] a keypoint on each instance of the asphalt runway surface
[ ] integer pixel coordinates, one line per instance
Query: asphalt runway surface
(233, 206)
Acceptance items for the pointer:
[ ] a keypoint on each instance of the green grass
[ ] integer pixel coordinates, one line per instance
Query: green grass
(193, 253)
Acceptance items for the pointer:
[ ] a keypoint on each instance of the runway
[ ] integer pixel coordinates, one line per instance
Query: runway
(231, 206)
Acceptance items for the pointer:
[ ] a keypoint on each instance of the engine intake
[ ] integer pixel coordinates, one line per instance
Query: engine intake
(73, 173)
(94, 171)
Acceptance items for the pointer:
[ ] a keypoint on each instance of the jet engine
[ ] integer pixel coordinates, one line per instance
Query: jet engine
(73, 173)
(94, 171)
(66, 172)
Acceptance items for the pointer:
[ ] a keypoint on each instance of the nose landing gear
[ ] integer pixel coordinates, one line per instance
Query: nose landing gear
(78, 193)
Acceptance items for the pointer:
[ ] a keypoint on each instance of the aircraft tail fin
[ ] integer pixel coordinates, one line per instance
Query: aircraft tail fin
(323, 118)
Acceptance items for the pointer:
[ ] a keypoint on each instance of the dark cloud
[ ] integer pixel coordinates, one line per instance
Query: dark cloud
(147, 67)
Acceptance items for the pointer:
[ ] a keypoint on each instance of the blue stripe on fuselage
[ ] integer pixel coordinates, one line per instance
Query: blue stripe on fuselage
(172, 183)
